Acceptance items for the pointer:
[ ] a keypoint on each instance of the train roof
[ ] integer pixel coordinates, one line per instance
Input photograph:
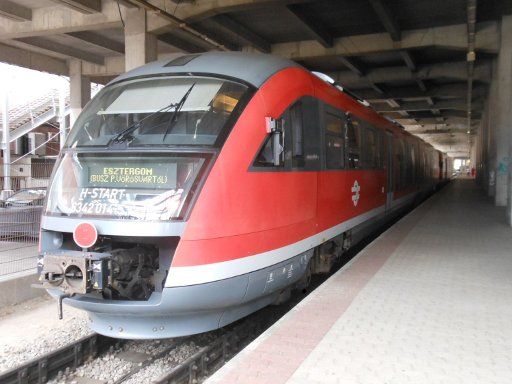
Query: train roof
(253, 68)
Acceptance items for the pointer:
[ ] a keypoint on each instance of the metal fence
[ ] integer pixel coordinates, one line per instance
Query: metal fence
(20, 217)
(19, 232)
(17, 257)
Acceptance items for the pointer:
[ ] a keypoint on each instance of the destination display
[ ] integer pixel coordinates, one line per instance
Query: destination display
(158, 176)
(134, 187)
(126, 187)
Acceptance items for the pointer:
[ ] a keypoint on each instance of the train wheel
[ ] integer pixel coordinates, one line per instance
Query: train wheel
(305, 280)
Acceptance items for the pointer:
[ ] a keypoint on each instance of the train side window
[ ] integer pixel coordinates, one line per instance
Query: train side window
(302, 145)
(380, 137)
(404, 170)
(408, 165)
(400, 164)
(371, 148)
(421, 167)
(334, 145)
(396, 163)
(413, 164)
(311, 133)
(354, 144)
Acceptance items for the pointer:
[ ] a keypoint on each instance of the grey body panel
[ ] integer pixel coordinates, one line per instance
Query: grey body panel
(116, 227)
(253, 68)
(180, 311)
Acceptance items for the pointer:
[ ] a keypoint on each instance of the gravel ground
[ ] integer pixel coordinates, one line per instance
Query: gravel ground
(31, 330)
(149, 347)
(120, 360)
(160, 366)
(38, 330)
(107, 368)
(111, 367)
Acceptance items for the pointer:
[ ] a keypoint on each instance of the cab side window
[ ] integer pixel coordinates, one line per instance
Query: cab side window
(296, 128)
(299, 139)
(265, 156)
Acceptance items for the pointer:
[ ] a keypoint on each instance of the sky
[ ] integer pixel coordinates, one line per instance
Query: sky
(23, 84)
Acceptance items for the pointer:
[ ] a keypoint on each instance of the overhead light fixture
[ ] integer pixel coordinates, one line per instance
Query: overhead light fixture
(324, 77)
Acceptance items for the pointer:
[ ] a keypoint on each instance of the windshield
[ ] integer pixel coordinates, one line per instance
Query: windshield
(147, 105)
(135, 187)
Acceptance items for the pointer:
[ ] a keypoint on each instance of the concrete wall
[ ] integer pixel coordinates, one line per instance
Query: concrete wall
(494, 141)
(16, 288)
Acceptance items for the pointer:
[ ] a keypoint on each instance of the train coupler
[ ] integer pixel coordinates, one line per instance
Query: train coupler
(74, 272)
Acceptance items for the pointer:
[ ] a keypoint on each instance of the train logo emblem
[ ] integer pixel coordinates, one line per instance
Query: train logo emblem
(355, 190)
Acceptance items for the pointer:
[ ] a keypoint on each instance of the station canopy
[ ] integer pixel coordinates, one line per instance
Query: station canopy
(426, 64)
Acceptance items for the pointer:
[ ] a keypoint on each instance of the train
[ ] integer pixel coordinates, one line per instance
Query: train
(195, 190)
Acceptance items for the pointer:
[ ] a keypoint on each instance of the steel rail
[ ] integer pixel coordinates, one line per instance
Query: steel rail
(149, 361)
(43, 368)
(210, 358)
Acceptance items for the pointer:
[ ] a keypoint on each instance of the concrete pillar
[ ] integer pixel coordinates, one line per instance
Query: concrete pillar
(509, 125)
(62, 117)
(473, 153)
(492, 134)
(18, 147)
(79, 89)
(140, 46)
(6, 148)
(502, 110)
(479, 151)
(483, 149)
(486, 145)
(32, 143)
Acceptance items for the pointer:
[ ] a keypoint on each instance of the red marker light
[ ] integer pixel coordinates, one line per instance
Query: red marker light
(85, 235)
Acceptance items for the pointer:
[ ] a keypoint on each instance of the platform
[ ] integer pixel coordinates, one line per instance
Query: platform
(429, 301)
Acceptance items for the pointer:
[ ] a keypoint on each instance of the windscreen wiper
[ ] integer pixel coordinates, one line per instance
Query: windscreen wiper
(125, 134)
(174, 116)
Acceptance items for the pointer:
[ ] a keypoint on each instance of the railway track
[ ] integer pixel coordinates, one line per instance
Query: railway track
(61, 365)
(211, 357)
(211, 351)
(69, 357)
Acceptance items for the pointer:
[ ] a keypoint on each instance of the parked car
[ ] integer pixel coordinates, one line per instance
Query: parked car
(25, 197)
(20, 215)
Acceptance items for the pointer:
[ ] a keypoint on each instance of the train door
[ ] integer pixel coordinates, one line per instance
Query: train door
(390, 184)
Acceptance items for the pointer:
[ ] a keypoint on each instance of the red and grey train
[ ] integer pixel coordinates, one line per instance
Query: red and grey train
(194, 191)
